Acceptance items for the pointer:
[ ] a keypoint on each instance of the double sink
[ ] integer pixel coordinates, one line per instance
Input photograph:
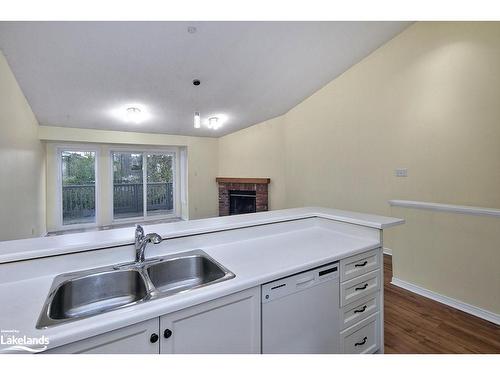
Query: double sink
(87, 293)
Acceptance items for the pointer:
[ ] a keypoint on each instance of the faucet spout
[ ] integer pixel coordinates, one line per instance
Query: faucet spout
(141, 241)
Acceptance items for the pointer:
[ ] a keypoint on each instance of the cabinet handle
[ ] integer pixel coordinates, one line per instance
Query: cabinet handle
(362, 342)
(361, 264)
(360, 310)
(167, 333)
(153, 338)
(361, 287)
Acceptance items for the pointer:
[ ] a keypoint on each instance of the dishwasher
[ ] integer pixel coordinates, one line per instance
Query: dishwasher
(300, 313)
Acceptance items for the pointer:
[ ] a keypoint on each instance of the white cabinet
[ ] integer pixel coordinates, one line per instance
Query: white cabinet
(361, 338)
(232, 324)
(361, 302)
(140, 338)
(229, 324)
(226, 325)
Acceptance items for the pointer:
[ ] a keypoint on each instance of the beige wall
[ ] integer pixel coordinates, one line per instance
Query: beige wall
(452, 255)
(257, 151)
(202, 155)
(22, 189)
(428, 100)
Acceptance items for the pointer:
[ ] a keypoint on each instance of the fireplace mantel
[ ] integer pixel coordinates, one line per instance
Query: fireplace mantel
(243, 180)
(227, 185)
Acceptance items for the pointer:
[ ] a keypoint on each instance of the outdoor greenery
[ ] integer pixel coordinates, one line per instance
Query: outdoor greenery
(159, 168)
(78, 177)
(78, 168)
(127, 168)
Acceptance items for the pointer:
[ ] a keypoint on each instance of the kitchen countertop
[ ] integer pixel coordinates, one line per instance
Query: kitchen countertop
(255, 259)
(16, 250)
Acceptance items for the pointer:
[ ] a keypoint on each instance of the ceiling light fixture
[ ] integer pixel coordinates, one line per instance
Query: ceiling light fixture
(213, 123)
(197, 120)
(131, 112)
(134, 115)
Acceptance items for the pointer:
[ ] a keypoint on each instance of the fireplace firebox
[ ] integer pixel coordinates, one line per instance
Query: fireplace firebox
(242, 201)
(242, 195)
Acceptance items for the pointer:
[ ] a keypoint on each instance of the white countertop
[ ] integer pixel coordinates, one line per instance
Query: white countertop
(69, 243)
(256, 255)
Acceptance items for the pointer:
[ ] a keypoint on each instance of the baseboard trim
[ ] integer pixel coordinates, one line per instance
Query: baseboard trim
(387, 251)
(459, 305)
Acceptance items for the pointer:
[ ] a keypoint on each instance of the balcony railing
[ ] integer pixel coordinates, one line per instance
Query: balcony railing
(78, 203)
(79, 200)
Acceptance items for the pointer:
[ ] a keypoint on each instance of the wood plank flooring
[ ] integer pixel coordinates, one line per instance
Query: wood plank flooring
(415, 324)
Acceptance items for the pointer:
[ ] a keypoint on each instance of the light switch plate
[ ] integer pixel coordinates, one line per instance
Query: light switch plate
(401, 172)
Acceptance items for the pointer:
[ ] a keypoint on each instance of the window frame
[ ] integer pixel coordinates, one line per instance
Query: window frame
(174, 151)
(60, 220)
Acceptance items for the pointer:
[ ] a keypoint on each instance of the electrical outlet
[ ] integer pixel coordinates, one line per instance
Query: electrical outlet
(401, 172)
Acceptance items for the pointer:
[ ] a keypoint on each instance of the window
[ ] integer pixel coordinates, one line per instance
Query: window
(143, 184)
(98, 185)
(78, 186)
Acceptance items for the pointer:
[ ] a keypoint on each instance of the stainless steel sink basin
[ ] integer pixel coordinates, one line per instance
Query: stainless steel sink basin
(186, 272)
(83, 294)
(87, 293)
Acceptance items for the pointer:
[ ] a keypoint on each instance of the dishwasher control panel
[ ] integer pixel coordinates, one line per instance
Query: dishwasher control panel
(298, 282)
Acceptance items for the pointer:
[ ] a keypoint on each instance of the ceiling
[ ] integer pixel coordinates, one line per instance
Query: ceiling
(85, 74)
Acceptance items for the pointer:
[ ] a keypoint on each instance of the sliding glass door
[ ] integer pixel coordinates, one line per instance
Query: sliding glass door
(128, 189)
(78, 181)
(143, 184)
(160, 196)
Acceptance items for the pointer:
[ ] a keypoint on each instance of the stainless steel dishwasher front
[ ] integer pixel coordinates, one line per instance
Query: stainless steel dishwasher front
(300, 313)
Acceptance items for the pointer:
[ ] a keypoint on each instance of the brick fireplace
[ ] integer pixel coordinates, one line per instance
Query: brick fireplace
(242, 195)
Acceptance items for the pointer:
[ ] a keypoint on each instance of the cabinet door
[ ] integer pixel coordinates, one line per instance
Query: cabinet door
(229, 324)
(134, 339)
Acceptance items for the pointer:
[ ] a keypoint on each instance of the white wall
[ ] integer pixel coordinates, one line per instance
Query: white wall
(22, 185)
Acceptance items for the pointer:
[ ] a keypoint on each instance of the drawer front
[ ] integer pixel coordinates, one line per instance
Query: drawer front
(359, 264)
(361, 338)
(359, 310)
(361, 286)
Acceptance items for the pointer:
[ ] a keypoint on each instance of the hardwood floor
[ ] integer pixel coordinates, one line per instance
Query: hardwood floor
(415, 324)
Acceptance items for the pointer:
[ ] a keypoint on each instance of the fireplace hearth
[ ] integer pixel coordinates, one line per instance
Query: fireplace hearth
(242, 195)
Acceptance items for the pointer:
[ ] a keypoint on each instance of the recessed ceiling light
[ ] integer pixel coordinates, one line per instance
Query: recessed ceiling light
(197, 120)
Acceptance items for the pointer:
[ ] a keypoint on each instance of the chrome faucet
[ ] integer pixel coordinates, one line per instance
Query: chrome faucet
(141, 242)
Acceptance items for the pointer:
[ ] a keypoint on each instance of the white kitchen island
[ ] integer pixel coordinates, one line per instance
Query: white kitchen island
(219, 318)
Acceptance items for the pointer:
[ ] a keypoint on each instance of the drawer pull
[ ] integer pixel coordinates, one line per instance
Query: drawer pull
(361, 264)
(361, 287)
(362, 342)
(360, 310)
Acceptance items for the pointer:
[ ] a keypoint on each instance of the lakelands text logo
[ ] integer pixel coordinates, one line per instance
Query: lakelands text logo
(11, 340)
